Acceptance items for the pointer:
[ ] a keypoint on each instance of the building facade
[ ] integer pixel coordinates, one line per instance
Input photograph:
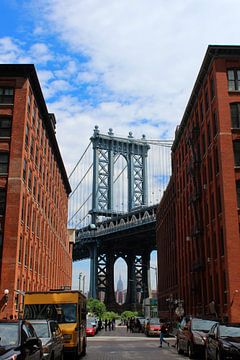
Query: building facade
(35, 253)
(206, 183)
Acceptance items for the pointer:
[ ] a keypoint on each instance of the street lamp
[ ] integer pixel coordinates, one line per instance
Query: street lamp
(79, 283)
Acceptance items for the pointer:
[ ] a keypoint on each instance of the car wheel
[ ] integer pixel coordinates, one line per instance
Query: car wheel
(179, 350)
(190, 351)
(84, 350)
(61, 355)
(206, 354)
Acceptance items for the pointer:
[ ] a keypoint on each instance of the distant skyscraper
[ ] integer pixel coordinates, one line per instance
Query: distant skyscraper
(119, 292)
(120, 284)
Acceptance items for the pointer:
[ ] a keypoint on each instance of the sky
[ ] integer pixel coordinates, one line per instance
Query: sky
(129, 65)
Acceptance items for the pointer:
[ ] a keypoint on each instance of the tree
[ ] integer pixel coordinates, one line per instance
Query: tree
(128, 314)
(96, 307)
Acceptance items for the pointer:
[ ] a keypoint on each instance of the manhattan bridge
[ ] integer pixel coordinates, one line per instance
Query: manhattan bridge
(117, 185)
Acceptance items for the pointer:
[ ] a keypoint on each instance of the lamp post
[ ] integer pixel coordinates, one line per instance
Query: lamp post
(83, 284)
(79, 283)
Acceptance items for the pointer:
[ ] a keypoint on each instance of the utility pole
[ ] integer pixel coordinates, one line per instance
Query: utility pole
(83, 284)
(79, 284)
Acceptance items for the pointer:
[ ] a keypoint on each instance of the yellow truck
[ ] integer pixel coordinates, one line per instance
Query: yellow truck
(68, 308)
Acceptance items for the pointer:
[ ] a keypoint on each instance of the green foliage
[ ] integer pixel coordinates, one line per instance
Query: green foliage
(95, 306)
(110, 315)
(128, 314)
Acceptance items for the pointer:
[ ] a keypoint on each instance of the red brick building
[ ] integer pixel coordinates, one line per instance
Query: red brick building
(35, 254)
(205, 191)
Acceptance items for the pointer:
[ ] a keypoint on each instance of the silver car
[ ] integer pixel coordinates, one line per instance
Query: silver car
(52, 339)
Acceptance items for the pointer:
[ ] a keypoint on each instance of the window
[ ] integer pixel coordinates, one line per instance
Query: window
(32, 147)
(36, 156)
(233, 79)
(4, 162)
(2, 201)
(24, 169)
(215, 124)
(23, 209)
(27, 135)
(219, 200)
(5, 127)
(222, 246)
(210, 172)
(235, 115)
(238, 193)
(201, 112)
(216, 162)
(20, 249)
(206, 100)
(212, 88)
(34, 186)
(6, 95)
(203, 144)
(30, 179)
(236, 149)
(29, 103)
(209, 134)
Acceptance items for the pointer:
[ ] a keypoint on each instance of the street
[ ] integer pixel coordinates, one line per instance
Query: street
(120, 345)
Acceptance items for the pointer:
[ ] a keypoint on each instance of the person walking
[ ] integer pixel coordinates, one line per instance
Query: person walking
(106, 324)
(163, 332)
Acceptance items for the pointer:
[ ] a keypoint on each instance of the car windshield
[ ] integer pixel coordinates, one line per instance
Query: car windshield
(89, 324)
(232, 331)
(62, 313)
(41, 330)
(154, 321)
(8, 334)
(202, 325)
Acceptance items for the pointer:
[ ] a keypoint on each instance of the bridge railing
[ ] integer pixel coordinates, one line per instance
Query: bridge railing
(90, 234)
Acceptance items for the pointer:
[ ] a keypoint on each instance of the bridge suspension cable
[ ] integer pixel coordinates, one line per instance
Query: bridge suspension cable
(81, 177)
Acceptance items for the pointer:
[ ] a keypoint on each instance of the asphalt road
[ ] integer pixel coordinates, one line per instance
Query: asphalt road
(120, 345)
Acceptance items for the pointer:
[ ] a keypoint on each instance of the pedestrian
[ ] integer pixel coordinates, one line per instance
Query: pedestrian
(163, 332)
(106, 324)
(109, 325)
(128, 324)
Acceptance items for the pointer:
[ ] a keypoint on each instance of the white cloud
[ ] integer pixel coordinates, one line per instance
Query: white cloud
(145, 53)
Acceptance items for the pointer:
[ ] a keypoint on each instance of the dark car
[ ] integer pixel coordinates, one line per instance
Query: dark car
(191, 336)
(51, 336)
(18, 340)
(223, 342)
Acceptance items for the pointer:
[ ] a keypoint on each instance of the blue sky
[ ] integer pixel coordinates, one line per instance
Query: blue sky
(128, 64)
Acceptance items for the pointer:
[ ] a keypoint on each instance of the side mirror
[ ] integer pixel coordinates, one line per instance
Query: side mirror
(30, 342)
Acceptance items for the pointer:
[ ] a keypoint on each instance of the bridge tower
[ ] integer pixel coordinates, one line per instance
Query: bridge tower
(105, 150)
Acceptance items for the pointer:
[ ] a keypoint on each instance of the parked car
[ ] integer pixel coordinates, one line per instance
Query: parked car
(191, 336)
(51, 336)
(90, 329)
(223, 342)
(152, 327)
(18, 340)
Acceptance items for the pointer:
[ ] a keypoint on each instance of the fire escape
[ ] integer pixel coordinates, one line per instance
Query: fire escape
(196, 230)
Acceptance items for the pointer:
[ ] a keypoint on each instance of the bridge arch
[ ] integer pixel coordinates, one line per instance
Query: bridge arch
(120, 280)
(106, 149)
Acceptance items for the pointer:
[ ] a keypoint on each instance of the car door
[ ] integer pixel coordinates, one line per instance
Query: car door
(30, 349)
(212, 341)
(182, 335)
(56, 339)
